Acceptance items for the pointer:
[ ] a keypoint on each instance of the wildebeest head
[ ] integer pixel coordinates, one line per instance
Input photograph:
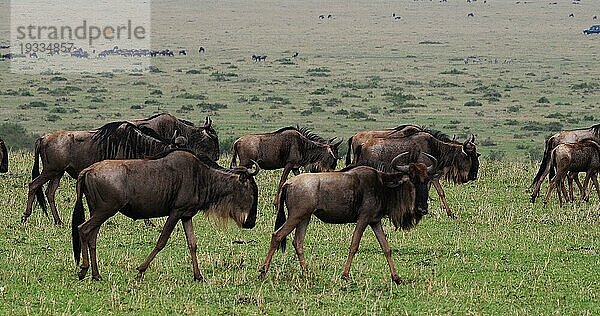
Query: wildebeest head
(3, 157)
(328, 162)
(241, 200)
(204, 140)
(412, 193)
(471, 151)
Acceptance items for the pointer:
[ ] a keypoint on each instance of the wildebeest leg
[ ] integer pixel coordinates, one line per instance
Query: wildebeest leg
(160, 244)
(34, 185)
(553, 183)
(88, 232)
(356, 236)
(538, 184)
(586, 187)
(276, 238)
(284, 176)
(562, 189)
(387, 250)
(50, 195)
(580, 186)
(298, 242)
(192, 246)
(442, 195)
(595, 180)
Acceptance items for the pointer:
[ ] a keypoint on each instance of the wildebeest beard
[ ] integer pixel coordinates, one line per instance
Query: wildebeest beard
(228, 207)
(400, 203)
(451, 160)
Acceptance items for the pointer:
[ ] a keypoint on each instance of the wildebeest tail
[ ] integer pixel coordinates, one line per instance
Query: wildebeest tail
(280, 220)
(78, 218)
(545, 161)
(349, 152)
(35, 172)
(234, 153)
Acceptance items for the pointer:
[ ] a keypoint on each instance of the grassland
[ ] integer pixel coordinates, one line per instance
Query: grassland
(359, 70)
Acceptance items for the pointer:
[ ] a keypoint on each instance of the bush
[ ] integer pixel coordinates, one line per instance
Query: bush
(473, 103)
(192, 96)
(53, 118)
(16, 137)
(453, 71)
(543, 100)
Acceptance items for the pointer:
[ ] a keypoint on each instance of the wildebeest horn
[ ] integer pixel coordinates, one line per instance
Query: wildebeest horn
(336, 144)
(207, 122)
(331, 140)
(256, 169)
(433, 168)
(472, 140)
(175, 134)
(395, 161)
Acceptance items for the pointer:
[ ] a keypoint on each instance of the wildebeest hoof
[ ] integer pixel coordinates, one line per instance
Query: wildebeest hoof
(452, 216)
(140, 276)
(96, 277)
(81, 274)
(345, 276)
(198, 279)
(24, 219)
(58, 223)
(397, 280)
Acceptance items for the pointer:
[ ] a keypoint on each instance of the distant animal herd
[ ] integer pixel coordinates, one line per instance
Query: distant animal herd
(388, 173)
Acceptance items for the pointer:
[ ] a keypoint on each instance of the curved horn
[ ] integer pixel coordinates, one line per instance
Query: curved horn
(331, 140)
(472, 140)
(395, 161)
(207, 122)
(431, 169)
(256, 169)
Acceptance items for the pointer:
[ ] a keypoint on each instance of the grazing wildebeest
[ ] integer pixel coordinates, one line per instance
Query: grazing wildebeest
(72, 151)
(182, 184)
(289, 148)
(458, 162)
(3, 157)
(568, 136)
(321, 16)
(356, 194)
(200, 139)
(182, 52)
(571, 15)
(201, 50)
(295, 55)
(583, 156)
(471, 14)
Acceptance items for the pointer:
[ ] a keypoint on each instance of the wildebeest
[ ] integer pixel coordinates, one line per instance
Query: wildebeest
(182, 184)
(182, 52)
(200, 139)
(356, 194)
(259, 57)
(568, 136)
(458, 162)
(3, 157)
(295, 55)
(72, 151)
(201, 50)
(289, 148)
(583, 156)
(359, 138)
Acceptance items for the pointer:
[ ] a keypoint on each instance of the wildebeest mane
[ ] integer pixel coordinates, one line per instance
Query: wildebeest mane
(596, 130)
(304, 132)
(124, 140)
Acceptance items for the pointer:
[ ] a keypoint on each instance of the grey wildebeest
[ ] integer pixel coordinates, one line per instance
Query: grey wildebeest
(3, 157)
(568, 136)
(200, 139)
(289, 148)
(356, 194)
(183, 184)
(458, 162)
(72, 151)
(583, 156)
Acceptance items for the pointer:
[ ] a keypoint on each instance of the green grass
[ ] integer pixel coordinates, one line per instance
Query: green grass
(502, 255)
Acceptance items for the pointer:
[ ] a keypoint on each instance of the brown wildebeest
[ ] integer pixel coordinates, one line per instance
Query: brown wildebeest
(289, 148)
(201, 140)
(356, 194)
(458, 162)
(3, 157)
(72, 151)
(568, 136)
(583, 156)
(397, 132)
(182, 184)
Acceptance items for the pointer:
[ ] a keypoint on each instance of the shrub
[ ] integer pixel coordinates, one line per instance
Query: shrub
(453, 71)
(206, 107)
(473, 103)
(543, 100)
(321, 91)
(53, 118)
(192, 96)
(17, 137)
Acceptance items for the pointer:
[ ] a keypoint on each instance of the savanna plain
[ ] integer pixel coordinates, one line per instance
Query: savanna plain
(529, 72)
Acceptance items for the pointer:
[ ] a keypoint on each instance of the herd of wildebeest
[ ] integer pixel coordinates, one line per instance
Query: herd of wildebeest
(165, 166)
